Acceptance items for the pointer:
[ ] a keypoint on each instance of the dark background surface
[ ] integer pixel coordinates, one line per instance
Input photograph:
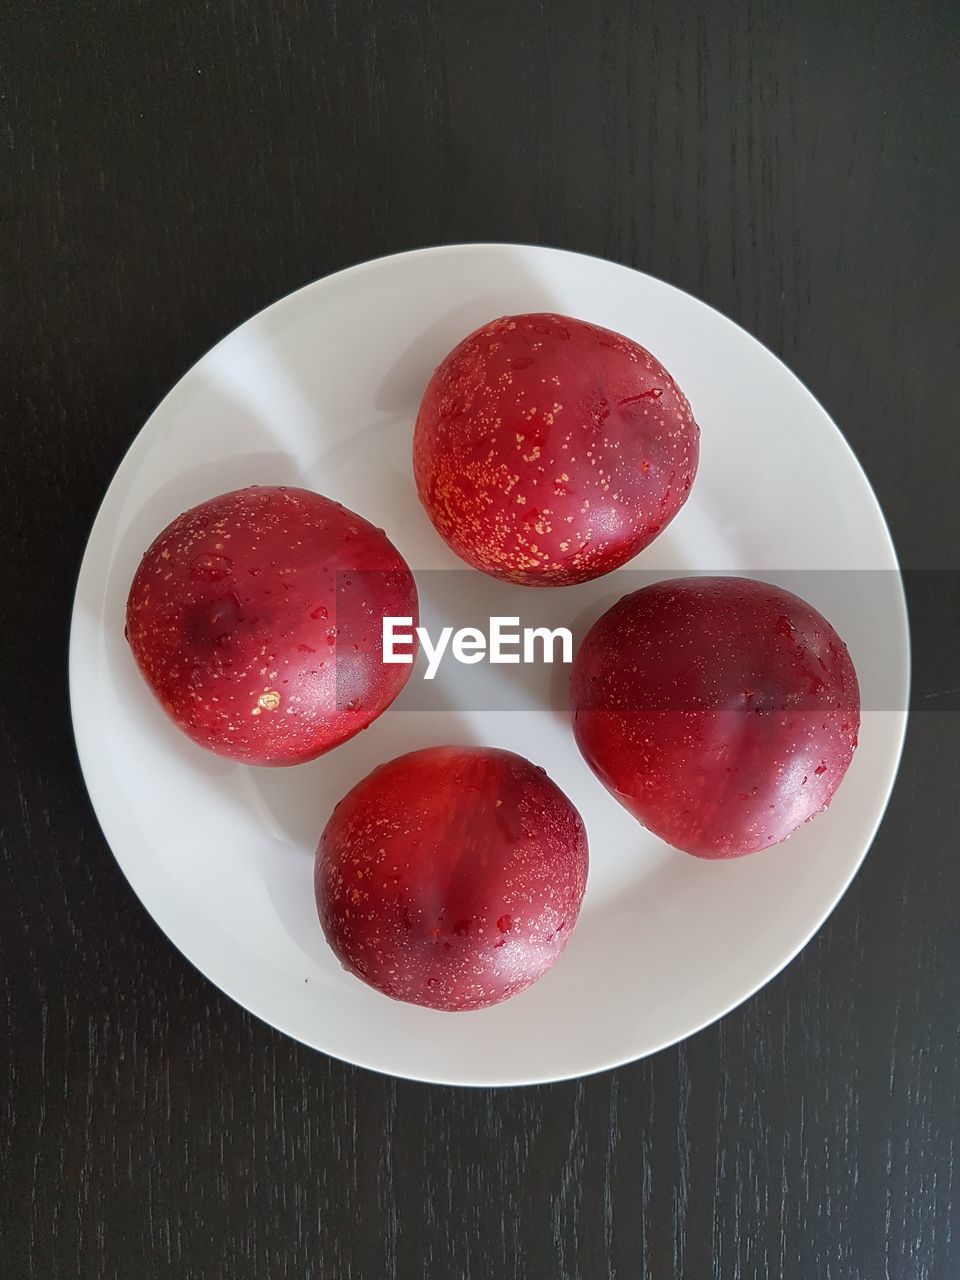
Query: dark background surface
(170, 168)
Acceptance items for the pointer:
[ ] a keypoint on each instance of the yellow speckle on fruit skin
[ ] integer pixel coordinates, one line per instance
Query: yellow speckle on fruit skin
(269, 701)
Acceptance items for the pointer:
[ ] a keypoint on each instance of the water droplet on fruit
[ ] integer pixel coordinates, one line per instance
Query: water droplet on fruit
(653, 394)
(211, 568)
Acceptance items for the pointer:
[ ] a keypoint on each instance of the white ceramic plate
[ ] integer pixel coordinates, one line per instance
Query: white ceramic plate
(321, 390)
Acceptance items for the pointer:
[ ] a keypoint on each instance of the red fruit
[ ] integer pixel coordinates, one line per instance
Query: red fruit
(721, 712)
(256, 620)
(549, 451)
(451, 877)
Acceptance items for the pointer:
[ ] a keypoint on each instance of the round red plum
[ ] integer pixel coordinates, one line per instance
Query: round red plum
(256, 619)
(549, 451)
(451, 877)
(721, 712)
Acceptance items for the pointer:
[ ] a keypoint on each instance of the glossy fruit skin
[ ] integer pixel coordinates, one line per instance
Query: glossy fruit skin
(255, 618)
(549, 451)
(451, 877)
(721, 712)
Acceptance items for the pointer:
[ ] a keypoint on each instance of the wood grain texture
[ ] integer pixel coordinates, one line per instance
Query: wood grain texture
(169, 169)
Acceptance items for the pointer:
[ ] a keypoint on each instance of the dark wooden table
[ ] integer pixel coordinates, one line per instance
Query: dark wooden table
(168, 169)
